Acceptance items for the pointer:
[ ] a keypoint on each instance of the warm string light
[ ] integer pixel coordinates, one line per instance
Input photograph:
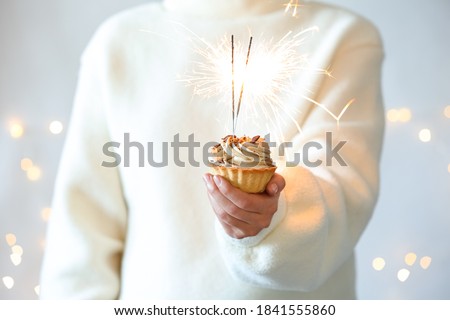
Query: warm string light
(26, 164)
(15, 259)
(425, 135)
(16, 129)
(410, 259)
(378, 264)
(42, 243)
(403, 275)
(447, 111)
(8, 282)
(56, 127)
(399, 115)
(405, 115)
(33, 172)
(425, 262)
(46, 213)
(16, 250)
(10, 239)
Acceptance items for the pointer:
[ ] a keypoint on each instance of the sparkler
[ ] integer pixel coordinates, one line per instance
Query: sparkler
(268, 77)
(232, 82)
(236, 115)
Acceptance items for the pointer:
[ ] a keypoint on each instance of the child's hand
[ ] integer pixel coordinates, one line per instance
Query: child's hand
(243, 214)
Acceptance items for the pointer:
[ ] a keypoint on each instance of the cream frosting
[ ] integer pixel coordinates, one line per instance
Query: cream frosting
(243, 152)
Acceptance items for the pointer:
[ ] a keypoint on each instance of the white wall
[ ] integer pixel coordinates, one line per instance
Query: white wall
(40, 43)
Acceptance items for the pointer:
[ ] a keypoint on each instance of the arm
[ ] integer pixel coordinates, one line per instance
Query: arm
(87, 229)
(323, 210)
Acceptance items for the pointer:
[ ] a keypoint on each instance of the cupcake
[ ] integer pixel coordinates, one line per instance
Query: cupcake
(245, 162)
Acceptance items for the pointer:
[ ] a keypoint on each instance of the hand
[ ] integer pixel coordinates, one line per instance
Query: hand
(243, 214)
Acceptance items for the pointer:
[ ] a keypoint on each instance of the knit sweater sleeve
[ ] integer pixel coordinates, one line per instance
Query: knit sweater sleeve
(324, 209)
(86, 232)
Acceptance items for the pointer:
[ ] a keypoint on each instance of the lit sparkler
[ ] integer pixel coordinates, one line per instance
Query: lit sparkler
(269, 76)
(236, 113)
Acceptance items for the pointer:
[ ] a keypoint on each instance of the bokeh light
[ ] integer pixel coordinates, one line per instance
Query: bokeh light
(17, 250)
(16, 256)
(16, 259)
(8, 282)
(403, 275)
(399, 115)
(410, 258)
(16, 129)
(392, 115)
(425, 262)
(378, 264)
(56, 127)
(425, 135)
(34, 173)
(45, 214)
(37, 289)
(26, 164)
(42, 243)
(447, 112)
(11, 239)
(405, 115)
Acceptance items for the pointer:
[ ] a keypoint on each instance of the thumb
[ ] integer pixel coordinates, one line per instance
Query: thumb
(275, 185)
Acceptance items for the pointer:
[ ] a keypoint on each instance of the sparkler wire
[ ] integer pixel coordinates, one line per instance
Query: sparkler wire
(232, 81)
(243, 82)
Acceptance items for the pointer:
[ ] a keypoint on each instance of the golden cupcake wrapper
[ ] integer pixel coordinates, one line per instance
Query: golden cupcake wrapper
(250, 180)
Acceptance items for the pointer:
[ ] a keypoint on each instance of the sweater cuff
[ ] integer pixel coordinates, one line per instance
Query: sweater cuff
(255, 240)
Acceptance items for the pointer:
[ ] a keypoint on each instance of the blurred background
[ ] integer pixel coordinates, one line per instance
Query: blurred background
(405, 251)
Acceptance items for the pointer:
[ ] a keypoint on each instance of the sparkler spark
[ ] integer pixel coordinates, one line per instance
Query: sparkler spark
(294, 5)
(268, 76)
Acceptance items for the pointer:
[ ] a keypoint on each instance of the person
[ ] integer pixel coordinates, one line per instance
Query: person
(135, 231)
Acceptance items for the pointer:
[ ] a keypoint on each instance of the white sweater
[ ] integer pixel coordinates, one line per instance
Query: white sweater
(150, 233)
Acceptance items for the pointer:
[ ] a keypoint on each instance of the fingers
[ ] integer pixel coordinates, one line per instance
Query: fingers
(241, 199)
(275, 185)
(239, 222)
(233, 227)
(224, 205)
